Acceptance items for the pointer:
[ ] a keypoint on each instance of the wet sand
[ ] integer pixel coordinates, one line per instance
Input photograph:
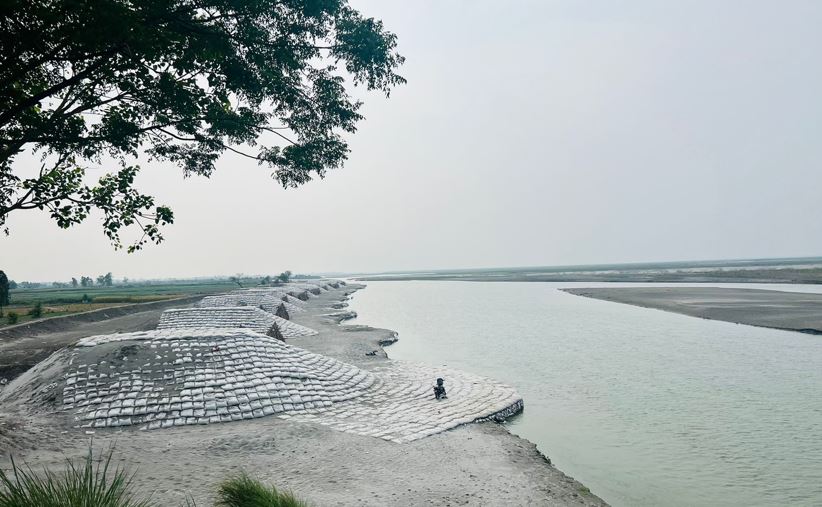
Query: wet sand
(475, 464)
(793, 311)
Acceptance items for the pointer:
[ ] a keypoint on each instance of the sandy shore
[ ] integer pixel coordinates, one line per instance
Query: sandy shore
(791, 311)
(475, 464)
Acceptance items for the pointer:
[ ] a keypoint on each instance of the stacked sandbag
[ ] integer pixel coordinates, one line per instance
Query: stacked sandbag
(244, 317)
(175, 377)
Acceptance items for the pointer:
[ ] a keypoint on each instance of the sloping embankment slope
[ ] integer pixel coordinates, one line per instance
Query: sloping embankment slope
(792, 311)
(24, 345)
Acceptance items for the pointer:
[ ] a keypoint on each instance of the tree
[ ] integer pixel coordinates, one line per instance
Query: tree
(86, 281)
(238, 279)
(74, 282)
(105, 280)
(266, 280)
(284, 277)
(4, 291)
(180, 81)
(37, 311)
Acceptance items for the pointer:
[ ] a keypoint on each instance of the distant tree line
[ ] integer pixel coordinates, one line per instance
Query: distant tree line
(106, 280)
(283, 277)
(240, 279)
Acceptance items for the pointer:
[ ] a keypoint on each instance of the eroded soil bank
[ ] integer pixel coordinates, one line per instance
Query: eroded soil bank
(475, 464)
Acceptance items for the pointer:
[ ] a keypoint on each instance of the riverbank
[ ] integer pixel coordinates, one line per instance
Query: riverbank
(473, 464)
(791, 311)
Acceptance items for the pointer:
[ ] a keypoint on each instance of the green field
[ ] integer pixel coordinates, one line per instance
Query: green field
(118, 293)
(65, 301)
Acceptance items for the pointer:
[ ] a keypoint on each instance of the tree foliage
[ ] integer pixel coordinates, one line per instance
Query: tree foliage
(37, 310)
(4, 291)
(106, 280)
(94, 82)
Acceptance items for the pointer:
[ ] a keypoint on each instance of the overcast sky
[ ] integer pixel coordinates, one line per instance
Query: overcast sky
(529, 133)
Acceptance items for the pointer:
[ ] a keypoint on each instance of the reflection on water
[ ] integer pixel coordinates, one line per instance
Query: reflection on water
(642, 406)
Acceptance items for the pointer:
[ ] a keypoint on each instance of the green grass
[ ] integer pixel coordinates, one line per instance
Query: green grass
(243, 491)
(117, 294)
(90, 484)
(83, 485)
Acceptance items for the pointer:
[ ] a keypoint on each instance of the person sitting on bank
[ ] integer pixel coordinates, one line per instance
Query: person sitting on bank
(439, 389)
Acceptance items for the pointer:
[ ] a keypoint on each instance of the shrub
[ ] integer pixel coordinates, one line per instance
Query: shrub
(37, 310)
(85, 299)
(11, 318)
(243, 491)
(90, 485)
(86, 485)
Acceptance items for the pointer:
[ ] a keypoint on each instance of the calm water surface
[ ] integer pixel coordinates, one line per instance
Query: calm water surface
(642, 406)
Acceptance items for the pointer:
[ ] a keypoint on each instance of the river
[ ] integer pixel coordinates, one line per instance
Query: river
(645, 407)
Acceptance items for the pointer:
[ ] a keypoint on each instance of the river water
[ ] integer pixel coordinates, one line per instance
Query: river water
(644, 407)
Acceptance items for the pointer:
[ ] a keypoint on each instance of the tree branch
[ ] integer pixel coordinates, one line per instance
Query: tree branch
(9, 114)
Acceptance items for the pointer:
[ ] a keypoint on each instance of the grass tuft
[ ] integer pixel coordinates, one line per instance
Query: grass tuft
(243, 491)
(83, 485)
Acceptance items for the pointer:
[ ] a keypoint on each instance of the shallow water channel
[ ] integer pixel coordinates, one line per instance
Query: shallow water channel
(642, 406)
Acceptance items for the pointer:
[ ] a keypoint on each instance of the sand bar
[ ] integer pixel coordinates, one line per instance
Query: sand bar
(793, 311)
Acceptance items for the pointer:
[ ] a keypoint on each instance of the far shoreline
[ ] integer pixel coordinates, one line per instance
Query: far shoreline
(806, 270)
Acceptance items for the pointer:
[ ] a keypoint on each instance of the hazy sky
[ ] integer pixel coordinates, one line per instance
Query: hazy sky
(529, 133)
